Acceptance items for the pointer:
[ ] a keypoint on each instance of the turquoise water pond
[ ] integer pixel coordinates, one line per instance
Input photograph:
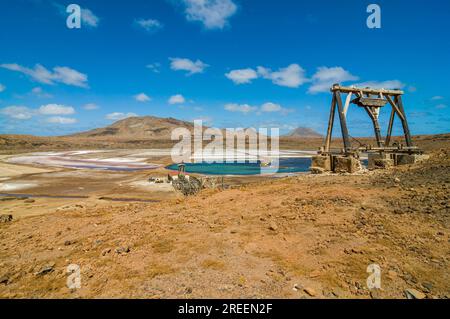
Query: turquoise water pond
(287, 165)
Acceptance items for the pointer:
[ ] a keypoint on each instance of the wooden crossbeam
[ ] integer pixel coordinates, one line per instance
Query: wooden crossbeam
(350, 89)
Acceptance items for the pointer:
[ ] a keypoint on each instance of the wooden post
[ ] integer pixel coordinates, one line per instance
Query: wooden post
(330, 123)
(398, 100)
(344, 129)
(376, 126)
(390, 126)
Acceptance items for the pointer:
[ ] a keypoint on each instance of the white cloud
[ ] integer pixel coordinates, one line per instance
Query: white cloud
(2, 87)
(242, 108)
(41, 74)
(271, 107)
(39, 92)
(292, 76)
(180, 64)
(441, 106)
(89, 18)
(213, 14)
(91, 106)
(242, 76)
(437, 98)
(268, 107)
(176, 99)
(56, 109)
(149, 25)
(393, 84)
(119, 116)
(154, 67)
(17, 112)
(61, 120)
(142, 97)
(325, 77)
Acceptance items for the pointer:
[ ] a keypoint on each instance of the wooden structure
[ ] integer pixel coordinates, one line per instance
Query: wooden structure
(371, 100)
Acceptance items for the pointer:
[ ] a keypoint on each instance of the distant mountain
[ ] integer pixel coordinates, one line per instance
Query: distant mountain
(149, 127)
(304, 132)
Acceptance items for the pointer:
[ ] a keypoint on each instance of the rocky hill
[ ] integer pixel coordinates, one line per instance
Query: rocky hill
(304, 132)
(149, 127)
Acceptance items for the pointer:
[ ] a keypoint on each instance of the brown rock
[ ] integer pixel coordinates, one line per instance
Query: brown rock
(310, 291)
(414, 294)
(6, 218)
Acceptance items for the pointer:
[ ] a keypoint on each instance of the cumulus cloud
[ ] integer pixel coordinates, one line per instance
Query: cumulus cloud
(182, 64)
(2, 87)
(17, 112)
(213, 14)
(142, 97)
(242, 76)
(119, 116)
(242, 108)
(325, 77)
(61, 120)
(56, 109)
(441, 106)
(291, 76)
(149, 25)
(392, 84)
(59, 74)
(91, 106)
(176, 99)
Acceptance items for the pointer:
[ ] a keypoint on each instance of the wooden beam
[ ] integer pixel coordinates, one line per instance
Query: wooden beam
(376, 126)
(330, 124)
(404, 121)
(396, 108)
(389, 130)
(347, 103)
(349, 89)
(344, 129)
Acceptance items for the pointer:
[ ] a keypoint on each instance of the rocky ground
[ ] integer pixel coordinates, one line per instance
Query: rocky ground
(298, 237)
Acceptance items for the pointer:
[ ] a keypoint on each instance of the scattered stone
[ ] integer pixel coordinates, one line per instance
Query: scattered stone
(106, 251)
(122, 250)
(297, 287)
(46, 270)
(29, 201)
(414, 294)
(98, 242)
(391, 274)
(314, 274)
(273, 226)
(69, 242)
(317, 170)
(6, 218)
(4, 280)
(428, 286)
(397, 180)
(310, 291)
(375, 294)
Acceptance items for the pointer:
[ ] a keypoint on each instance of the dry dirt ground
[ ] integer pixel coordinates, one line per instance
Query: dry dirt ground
(298, 237)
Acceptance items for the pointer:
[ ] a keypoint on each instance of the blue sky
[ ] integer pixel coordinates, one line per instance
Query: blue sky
(233, 63)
